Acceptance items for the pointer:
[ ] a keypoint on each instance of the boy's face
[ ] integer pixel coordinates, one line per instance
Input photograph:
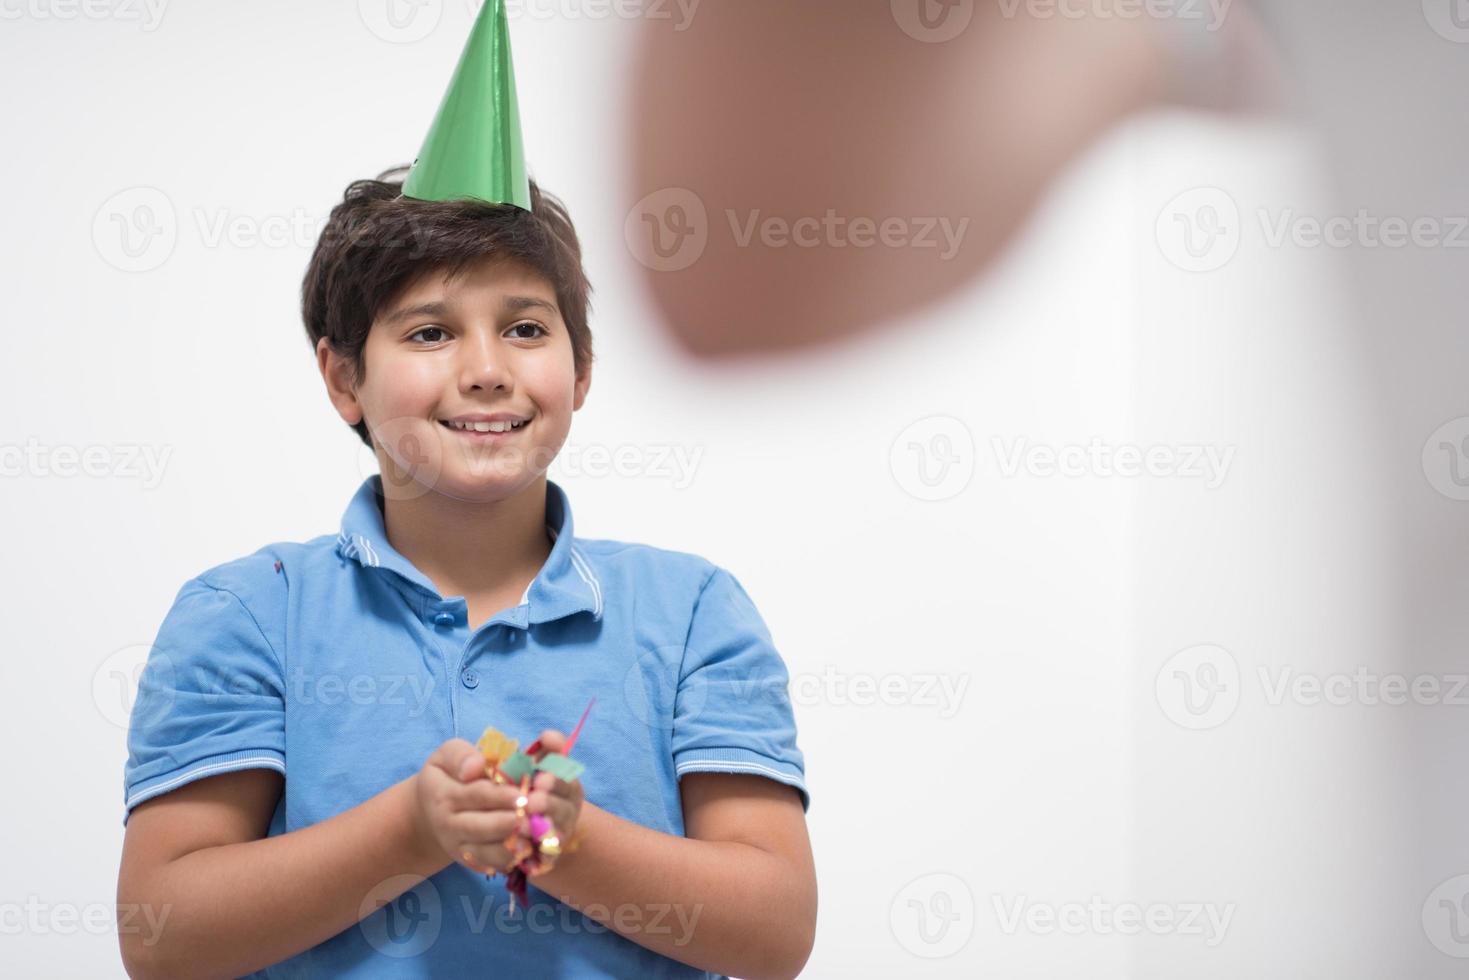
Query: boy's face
(489, 343)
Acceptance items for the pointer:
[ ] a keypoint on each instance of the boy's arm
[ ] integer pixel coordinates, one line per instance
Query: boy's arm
(737, 895)
(228, 901)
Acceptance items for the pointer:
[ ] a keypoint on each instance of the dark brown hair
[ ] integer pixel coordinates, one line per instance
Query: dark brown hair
(377, 243)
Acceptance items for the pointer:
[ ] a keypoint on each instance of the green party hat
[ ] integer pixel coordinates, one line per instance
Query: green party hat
(474, 148)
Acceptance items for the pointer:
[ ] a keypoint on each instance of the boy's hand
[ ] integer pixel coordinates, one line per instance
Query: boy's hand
(556, 798)
(461, 812)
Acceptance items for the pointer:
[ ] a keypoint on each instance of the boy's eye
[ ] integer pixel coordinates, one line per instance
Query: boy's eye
(426, 330)
(531, 325)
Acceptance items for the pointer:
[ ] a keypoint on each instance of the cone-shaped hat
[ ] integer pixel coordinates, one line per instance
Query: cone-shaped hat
(474, 148)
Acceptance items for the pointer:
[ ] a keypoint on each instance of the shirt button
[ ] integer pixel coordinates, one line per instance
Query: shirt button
(444, 619)
(470, 678)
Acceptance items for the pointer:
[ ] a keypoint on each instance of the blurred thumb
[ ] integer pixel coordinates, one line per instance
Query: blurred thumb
(467, 764)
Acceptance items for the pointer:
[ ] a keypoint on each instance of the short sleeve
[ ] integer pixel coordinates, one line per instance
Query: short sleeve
(732, 712)
(210, 698)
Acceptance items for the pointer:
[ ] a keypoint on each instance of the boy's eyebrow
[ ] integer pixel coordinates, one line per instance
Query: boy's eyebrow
(434, 308)
(512, 304)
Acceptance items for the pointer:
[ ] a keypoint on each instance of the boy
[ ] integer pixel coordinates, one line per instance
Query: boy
(303, 791)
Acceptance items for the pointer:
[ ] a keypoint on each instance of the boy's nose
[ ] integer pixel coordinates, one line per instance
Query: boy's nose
(484, 365)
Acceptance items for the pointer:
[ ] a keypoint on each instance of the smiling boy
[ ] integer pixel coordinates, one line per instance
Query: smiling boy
(297, 818)
(278, 795)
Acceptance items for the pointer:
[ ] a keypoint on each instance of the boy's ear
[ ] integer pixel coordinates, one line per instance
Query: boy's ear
(337, 374)
(583, 385)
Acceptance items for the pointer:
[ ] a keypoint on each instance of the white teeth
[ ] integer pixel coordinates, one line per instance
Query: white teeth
(485, 426)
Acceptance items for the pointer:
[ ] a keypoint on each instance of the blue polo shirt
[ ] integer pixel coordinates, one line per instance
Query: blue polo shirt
(335, 662)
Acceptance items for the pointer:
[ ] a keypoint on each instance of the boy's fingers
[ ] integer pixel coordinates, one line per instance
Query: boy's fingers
(560, 813)
(541, 795)
(552, 741)
(555, 790)
(482, 827)
(555, 787)
(451, 756)
(570, 792)
(482, 795)
(559, 807)
(471, 766)
(483, 858)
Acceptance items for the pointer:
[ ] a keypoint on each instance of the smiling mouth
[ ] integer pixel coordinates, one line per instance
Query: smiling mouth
(484, 429)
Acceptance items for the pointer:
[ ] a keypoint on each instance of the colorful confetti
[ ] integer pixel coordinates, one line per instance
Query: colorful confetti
(506, 763)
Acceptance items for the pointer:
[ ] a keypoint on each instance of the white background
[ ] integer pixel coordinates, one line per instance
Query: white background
(1061, 775)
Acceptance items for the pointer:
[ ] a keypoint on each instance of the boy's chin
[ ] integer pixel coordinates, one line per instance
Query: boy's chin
(483, 484)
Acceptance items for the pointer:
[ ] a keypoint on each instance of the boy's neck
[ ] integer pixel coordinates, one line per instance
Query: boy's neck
(472, 549)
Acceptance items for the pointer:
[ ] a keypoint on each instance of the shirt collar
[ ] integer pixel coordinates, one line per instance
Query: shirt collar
(566, 583)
